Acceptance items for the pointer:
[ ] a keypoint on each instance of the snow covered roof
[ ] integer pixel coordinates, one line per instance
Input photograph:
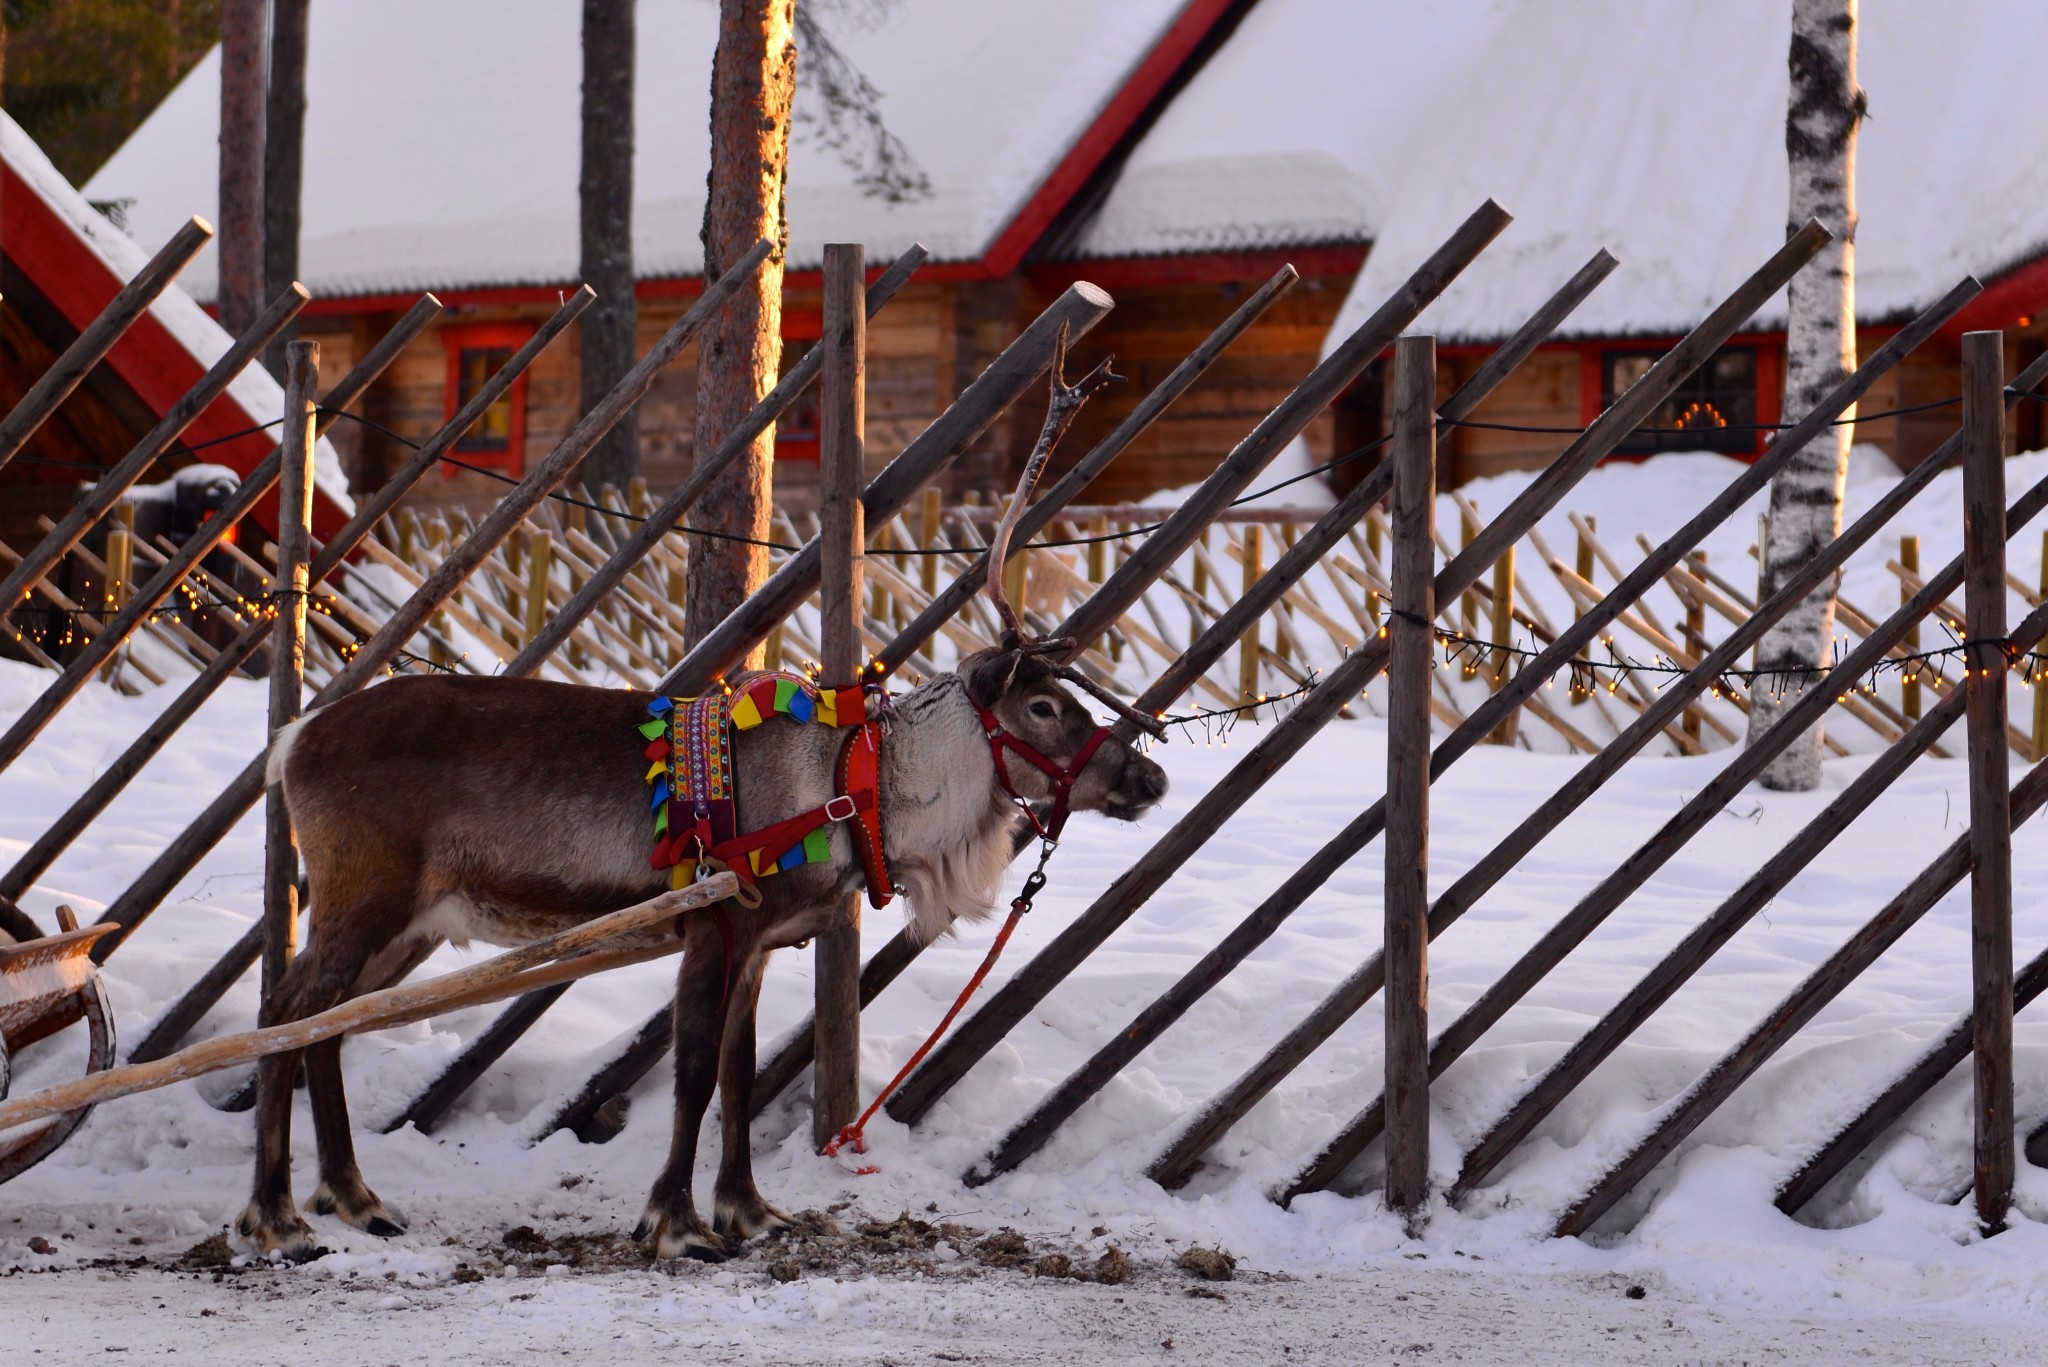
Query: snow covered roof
(1657, 131)
(80, 261)
(442, 139)
(1295, 133)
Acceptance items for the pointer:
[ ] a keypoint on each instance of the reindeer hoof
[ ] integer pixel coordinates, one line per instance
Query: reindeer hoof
(743, 1219)
(275, 1233)
(682, 1238)
(357, 1207)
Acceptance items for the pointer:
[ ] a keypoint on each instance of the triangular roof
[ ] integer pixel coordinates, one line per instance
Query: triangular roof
(442, 140)
(1296, 133)
(79, 261)
(1658, 131)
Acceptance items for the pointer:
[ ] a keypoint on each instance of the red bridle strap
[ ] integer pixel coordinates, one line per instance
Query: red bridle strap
(1063, 779)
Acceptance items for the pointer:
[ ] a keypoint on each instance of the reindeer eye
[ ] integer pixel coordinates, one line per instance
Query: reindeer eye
(1042, 708)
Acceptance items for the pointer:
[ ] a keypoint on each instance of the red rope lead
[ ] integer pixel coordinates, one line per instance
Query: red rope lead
(854, 1135)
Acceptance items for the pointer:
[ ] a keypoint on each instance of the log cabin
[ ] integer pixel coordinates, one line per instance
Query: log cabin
(1175, 152)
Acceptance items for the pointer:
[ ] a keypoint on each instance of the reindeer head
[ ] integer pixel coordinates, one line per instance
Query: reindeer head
(1018, 683)
(1023, 691)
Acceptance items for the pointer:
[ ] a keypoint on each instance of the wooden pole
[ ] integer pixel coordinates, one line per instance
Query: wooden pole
(120, 572)
(540, 549)
(1280, 426)
(1079, 309)
(375, 509)
(1253, 567)
(954, 597)
(1411, 643)
(374, 1010)
(1178, 1161)
(842, 466)
(91, 346)
(1502, 630)
(164, 872)
(1695, 637)
(1571, 930)
(97, 501)
(2038, 679)
(1004, 1008)
(1984, 534)
(183, 562)
(928, 538)
(1909, 689)
(1695, 950)
(288, 587)
(1822, 986)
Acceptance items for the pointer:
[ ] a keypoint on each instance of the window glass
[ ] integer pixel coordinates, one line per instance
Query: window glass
(493, 431)
(1713, 410)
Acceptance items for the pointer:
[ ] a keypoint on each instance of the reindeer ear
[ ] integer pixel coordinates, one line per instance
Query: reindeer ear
(989, 674)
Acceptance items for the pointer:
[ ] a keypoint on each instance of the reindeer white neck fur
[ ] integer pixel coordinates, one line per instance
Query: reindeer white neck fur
(965, 827)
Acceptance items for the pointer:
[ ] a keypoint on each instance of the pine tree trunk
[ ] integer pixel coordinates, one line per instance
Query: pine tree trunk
(240, 230)
(284, 147)
(607, 327)
(753, 80)
(1820, 350)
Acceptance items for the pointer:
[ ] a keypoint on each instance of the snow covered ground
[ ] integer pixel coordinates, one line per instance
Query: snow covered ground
(1892, 1268)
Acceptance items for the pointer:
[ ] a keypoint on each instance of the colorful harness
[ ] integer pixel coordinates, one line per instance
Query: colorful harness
(694, 795)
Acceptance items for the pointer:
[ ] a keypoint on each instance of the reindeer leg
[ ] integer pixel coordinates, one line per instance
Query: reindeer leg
(342, 1192)
(320, 977)
(739, 1211)
(671, 1216)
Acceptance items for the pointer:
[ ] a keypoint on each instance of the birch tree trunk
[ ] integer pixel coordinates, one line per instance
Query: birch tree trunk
(753, 82)
(239, 298)
(1820, 350)
(606, 329)
(284, 155)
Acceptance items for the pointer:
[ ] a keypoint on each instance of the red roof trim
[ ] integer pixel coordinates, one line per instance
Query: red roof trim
(1183, 37)
(661, 287)
(2021, 292)
(1198, 268)
(151, 361)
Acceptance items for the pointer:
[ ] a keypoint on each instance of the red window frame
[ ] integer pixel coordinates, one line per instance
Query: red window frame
(1770, 350)
(799, 325)
(462, 337)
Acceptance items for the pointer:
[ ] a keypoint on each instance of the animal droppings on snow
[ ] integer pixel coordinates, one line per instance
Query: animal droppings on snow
(1113, 1268)
(1212, 1264)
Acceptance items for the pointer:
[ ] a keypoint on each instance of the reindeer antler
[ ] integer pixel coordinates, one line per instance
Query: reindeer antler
(1151, 726)
(1059, 415)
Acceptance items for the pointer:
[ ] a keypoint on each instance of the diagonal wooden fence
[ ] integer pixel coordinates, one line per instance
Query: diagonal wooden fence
(587, 586)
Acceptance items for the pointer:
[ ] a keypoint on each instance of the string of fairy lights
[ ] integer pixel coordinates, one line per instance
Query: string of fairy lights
(56, 627)
(1474, 656)
(53, 626)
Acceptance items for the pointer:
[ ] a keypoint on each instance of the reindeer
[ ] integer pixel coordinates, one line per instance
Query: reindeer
(502, 810)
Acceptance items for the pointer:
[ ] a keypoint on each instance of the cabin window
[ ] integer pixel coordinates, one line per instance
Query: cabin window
(498, 438)
(1715, 409)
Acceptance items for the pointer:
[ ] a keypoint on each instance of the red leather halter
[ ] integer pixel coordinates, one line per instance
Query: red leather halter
(1063, 780)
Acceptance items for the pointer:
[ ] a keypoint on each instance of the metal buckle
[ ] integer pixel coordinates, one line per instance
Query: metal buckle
(832, 812)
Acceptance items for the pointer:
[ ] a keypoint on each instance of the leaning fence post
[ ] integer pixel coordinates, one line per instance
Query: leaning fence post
(1909, 690)
(1499, 661)
(1990, 758)
(842, 472)
(2035, 677)
(1254, 565)
(288, 587)
(120, 574)
(1411, 643)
